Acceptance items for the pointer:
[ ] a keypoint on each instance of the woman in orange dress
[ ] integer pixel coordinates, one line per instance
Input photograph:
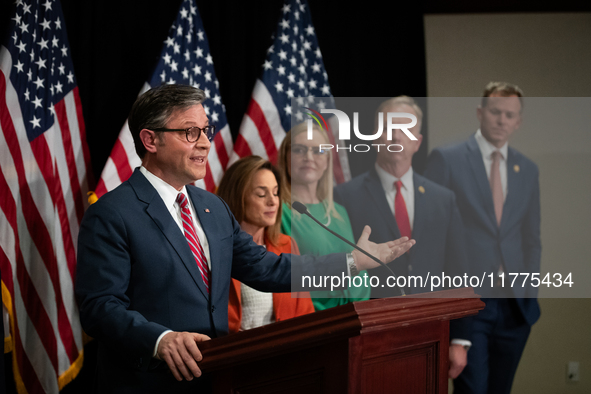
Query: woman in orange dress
(251, 189)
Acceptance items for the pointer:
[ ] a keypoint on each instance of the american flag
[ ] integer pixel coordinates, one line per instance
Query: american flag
(44, 164)
(185, 59)
(293, 69)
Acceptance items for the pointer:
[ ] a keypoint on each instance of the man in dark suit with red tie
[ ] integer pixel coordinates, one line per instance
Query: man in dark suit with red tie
(155, 255)
(395, 201)
(498, 194)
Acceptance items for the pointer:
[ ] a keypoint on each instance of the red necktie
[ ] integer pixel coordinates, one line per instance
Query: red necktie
(401, 213)
(193, 239)
(495, 185)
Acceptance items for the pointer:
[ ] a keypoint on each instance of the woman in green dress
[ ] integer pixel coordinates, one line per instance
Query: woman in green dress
(306, 174)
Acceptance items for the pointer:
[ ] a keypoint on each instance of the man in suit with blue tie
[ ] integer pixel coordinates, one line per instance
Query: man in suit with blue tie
(155, 255)
(498, 195)
(395, 201)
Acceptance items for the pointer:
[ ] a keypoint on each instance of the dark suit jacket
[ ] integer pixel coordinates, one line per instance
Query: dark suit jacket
(516, 243)
(437, 229)
(136, 277)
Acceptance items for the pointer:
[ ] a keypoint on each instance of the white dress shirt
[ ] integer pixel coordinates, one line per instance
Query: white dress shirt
(487, 149)
(169, 195)
(407, 189)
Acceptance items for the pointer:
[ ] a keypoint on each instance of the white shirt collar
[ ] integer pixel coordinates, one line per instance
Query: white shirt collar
(388, 179)
(167, 192)
(486, 148)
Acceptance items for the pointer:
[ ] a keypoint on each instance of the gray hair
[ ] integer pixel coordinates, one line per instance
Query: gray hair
(400, 100)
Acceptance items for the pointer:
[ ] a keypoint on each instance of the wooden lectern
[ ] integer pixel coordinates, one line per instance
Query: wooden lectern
(392, 345)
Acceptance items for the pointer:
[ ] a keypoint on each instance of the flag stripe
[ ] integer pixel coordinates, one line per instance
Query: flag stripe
(84, 173)
(213, 169)
(41, 153)
(67, 215)
(7, 205)
(13, 246)
(208, 179)
(121, 161)
(43, 164)
(255, 113)
(241, 147)
(60, 109)
(41, 237)
(127, 142)
(271, 112)
(32, 345)
(34, 309)
(228, 144)
(221, 150)
(65, 232)
(5, 264)
(36, 226)
(100, 188)
(25, 370)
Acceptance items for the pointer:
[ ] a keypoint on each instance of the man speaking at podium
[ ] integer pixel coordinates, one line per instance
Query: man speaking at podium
(155, 255)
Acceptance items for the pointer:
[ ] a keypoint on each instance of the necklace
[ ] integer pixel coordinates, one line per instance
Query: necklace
(327, 221)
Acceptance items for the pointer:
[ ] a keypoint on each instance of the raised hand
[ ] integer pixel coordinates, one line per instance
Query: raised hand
(386, 252)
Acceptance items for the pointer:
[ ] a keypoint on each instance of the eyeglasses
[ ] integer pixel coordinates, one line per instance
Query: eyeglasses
(302, 150)
(194, 133)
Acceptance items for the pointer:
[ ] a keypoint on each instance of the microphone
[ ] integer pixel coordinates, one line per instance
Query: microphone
(301, 208)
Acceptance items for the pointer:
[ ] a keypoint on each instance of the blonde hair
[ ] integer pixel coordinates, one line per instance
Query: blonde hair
(236, 182)
(324, 190)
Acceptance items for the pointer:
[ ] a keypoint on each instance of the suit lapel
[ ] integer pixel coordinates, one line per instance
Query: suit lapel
(376, 191)
(420, 208)
(161, 216)
(481, 180)
(514, 190)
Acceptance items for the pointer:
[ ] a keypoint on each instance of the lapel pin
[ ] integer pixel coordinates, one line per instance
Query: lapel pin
(516, 168)
(207, 210)
(422, 189)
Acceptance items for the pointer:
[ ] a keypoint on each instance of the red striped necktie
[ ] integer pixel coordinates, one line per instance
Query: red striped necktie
(401, 213)
(193, 239)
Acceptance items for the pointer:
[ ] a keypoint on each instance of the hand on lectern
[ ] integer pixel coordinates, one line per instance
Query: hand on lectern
(180, 352)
